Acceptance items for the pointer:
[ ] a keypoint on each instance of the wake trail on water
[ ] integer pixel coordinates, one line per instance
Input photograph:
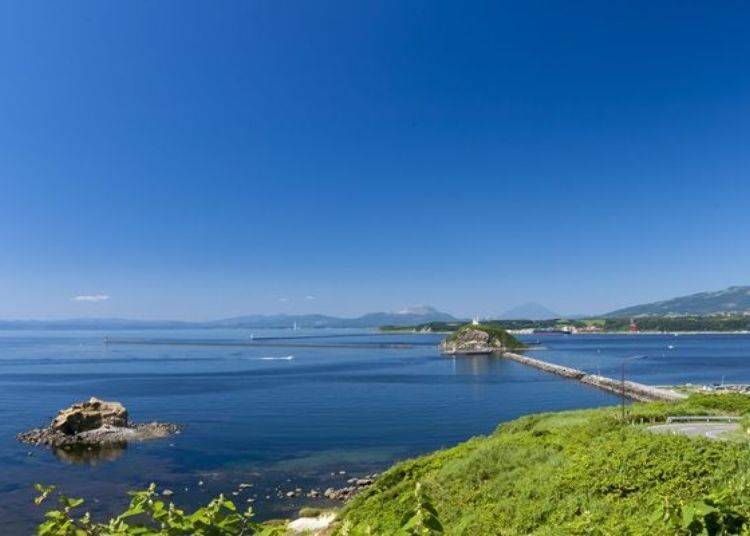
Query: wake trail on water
(270, 358)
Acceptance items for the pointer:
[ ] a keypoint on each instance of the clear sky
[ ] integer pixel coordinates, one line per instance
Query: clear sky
(205, 159)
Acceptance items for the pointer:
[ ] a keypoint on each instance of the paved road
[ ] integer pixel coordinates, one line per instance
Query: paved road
(711, 430)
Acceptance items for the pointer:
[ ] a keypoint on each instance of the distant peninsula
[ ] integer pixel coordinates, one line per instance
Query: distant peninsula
(642, 324)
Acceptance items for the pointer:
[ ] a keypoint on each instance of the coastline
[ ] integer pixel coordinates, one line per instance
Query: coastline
(542, 333)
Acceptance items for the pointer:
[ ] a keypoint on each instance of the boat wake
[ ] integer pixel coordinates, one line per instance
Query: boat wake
(270, 358)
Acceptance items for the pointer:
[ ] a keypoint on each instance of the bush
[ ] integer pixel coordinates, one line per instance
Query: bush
(147, 515)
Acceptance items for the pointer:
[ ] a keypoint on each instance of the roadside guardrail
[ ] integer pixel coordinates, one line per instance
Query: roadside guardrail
(703, 418)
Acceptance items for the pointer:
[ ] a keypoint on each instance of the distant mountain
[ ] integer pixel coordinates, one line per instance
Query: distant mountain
(730, 300)
(96, 323)
(405, 317)
(276, 321)
(529, 311)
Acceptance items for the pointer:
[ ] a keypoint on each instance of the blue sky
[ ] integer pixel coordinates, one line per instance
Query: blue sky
(204, 159)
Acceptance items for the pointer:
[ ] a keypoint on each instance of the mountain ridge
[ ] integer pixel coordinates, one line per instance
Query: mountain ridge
(529, 311)
(404, 317)
(731, 300)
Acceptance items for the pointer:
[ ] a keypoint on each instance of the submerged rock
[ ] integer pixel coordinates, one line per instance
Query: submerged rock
(95, 423)
(347, 492)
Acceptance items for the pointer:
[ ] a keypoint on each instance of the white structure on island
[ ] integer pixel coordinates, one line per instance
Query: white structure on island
(475, 321)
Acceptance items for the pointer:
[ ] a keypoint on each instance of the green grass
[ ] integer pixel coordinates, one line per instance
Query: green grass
(579, 472)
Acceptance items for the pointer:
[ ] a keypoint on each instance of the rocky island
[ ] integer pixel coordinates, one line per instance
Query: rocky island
(479, 339)
(95, 423)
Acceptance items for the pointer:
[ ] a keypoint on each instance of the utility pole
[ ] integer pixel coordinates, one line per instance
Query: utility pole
(622, 390)
(622, 381)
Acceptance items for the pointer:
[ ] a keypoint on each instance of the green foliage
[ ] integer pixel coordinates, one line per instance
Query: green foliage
(578, 472)
(148, 515)
(420, 518)
(423, 519)
(725, 511)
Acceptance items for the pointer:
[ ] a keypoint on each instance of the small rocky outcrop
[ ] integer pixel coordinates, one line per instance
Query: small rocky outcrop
(90, 415)
(468, 341)
(479, 339)
(94, 423)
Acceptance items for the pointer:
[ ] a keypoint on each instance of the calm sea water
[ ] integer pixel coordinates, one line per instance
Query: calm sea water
(282, 418)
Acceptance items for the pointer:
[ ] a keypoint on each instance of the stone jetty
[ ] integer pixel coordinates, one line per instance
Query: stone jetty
(566, 372)
(632, 390)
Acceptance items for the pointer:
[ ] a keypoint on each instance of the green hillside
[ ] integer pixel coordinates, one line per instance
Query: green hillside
(578, 472)
(731, 300)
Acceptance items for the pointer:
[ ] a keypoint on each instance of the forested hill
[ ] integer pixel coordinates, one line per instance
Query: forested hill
(730, 300)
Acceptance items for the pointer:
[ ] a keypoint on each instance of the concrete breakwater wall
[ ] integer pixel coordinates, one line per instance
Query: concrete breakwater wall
(633, 390)
(567, 372)
(636, 391)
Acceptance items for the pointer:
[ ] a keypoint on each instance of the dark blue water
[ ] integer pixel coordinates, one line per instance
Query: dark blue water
(253, 415)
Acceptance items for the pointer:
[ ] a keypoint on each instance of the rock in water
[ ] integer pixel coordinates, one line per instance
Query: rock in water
(95, 423)
(470, 341)
(90, 415)
(479, 339)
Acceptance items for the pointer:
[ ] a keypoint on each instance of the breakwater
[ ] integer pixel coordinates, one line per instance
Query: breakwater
(632, 390)
(257, 343)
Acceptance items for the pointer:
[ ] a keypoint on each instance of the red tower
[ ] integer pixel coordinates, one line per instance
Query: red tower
(633, 326)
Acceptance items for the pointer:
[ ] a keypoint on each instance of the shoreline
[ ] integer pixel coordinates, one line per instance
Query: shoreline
(675, 333)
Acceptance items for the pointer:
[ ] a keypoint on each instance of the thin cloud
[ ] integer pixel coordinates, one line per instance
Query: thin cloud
(91, 298)
(310, 297)
(283, 300)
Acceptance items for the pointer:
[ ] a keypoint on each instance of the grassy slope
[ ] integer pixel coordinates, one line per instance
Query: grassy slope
(562, 473)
